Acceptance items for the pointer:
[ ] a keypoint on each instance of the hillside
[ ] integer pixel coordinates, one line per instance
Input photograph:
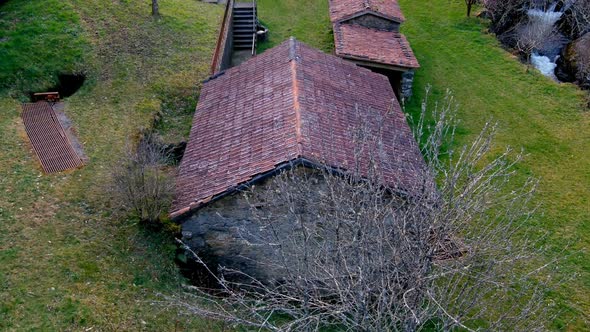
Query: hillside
(548, 120)
(67, 261)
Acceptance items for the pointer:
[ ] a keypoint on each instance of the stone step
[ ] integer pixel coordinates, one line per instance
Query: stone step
(243, 13)
(246, 37)
(244, 18)
(244, 26)
(247, 43)
(244, 32)
(243, 5)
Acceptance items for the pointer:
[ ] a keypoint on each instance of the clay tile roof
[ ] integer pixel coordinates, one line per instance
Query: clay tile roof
(345, 9)
(290, 103)
(385, 47)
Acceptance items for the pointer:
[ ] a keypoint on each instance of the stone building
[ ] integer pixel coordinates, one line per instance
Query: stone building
(290, 107)
(367, 33)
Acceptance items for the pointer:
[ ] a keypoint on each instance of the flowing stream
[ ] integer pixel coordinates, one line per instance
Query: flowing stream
(545, 20)
(544, 65)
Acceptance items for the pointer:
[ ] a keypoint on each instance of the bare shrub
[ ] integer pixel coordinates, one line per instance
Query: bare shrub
(505, 14)
(140, 183)
(577, 17)
(357, 256)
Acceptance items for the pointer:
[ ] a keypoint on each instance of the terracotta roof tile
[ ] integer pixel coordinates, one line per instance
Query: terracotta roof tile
(344, 9)
(385, 47)
(290, 102)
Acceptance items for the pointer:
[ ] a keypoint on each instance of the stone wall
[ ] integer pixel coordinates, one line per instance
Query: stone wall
(224, 47)
(375, 22)
(407, 84)
(227, 233)
(263, 234)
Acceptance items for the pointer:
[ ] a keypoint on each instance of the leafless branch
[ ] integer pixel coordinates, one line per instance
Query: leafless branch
(341, 249)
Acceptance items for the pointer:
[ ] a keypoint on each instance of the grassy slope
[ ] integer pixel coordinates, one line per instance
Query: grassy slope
(307, 20)
(26, 64)
(67, 263)
(545, 118)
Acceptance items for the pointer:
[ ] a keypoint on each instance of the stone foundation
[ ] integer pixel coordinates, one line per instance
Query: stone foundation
(228, 233)
(407, 84)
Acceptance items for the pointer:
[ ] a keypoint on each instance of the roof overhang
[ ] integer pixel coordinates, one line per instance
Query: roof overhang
(371, 63)
(185, 212)
(179, 214)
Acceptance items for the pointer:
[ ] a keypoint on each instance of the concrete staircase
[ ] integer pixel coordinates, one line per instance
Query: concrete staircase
(244, 25)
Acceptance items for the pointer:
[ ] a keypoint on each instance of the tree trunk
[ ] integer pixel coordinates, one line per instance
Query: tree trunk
(155, 8)
(469, 9)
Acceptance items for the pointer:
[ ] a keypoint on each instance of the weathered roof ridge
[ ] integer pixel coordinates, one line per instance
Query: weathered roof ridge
(294, 58)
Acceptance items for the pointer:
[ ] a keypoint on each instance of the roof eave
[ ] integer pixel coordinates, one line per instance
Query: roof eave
(375, 63)
(181, 213)
(185, 212)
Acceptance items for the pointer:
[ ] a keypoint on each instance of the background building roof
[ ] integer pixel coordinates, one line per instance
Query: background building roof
(344, 9)
(385, 47)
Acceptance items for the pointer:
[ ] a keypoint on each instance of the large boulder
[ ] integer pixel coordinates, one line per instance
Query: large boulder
(566, 68)
(574, 63)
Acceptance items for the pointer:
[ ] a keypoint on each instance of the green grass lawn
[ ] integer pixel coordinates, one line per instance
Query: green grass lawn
(67, 260)
(548, 120)
(307, 20)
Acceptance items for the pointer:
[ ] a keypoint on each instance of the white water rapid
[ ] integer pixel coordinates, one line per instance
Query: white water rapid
(546, 19)
(544, 65)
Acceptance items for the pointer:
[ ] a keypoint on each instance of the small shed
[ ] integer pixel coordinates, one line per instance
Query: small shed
(290, 107)
(367, 33)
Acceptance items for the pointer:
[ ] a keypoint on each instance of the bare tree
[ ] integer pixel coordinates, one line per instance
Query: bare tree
(351, 254)
(505, 14)
(155, 8)
(140, 182)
